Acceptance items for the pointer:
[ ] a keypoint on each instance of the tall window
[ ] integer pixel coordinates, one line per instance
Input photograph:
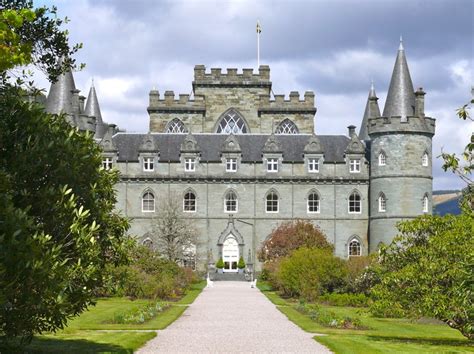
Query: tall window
(107, 163)
(354, 248)
(382, 159)
(233, 123)
(148, 202)
(148, 164)
(231, 165)
(313, 202)
(354, 166)
(313, 165)
(287, 127)
(382, 203)
(424, 159)
(189, 202)
(272, 203)
(425, 204)
(176, 126)
(230, 202)
(355, 204)
(190, 164)
(272, 165)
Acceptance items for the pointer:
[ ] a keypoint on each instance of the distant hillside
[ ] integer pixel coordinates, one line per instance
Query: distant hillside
(446, 202)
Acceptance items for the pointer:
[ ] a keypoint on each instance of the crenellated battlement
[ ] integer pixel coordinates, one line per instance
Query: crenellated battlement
(293, 104)
(382, 125)
(169, 103)
(231, 77)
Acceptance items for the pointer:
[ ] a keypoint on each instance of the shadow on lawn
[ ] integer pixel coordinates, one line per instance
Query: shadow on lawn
(425, 341)
(53, 345)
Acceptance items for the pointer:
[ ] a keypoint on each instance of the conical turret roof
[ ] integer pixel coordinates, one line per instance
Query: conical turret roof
(371, 110)
(60, 97)
(92, 105)
(400, 98)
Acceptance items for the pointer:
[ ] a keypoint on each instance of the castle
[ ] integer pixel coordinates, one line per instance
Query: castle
(242, 162)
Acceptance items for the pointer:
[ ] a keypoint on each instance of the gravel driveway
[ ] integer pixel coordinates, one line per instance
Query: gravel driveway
(231, 317)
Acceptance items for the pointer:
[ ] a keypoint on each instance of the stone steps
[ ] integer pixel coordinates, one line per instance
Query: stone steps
(227, 277)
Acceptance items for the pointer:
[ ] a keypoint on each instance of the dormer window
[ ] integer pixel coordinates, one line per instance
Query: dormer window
(190, 164)
(148, 164)
(424, 160)
(231, 165)
(354, 166)
(313, 165)
(272, 164)
(107, 163)
(382, 159)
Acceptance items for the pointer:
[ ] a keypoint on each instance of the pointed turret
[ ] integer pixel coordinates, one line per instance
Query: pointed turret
(61, 95)
(400, 98)
(92, 105)
(371, 111)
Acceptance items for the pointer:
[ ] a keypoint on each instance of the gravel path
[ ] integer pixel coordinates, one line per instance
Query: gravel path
(231, 317)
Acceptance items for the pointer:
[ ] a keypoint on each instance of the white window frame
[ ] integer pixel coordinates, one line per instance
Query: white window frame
(148, 164)
(359, 247)
(189, 164)
(236, 200)
(313, 165)
(277, 203)
(354, 165)
(107, 163)
(425, 160)
(231, 164)
(382, 159)
(318, 210)
(272, 164)
(186, 203)
(426, 204)
(382, 203)
(143, 202)
(349, 204)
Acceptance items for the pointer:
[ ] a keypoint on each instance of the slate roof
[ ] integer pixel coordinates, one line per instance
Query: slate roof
(210, 146)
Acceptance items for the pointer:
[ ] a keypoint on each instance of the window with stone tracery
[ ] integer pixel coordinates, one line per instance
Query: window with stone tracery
(233, 123)
(287, 127)
(176, 126)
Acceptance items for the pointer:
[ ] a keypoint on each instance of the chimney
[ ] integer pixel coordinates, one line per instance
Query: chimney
(352, 130)
(420, 102)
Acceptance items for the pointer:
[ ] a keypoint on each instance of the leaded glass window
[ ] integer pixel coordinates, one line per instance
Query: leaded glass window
(287, 127)
(230, 202)
(233, 123)
(189, 202)
(355, 203)
(313, 202)
(148, 202)
(354, 248)
(176, 126)
(272, 203)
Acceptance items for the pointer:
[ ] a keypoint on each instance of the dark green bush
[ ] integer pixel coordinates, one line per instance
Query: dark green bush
(310, 272)
(220, 264)
(346, 299)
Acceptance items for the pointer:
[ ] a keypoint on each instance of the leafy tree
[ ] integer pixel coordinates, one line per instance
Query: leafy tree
(428, 270)
(58, 229)
(175, 237)
(290, 236)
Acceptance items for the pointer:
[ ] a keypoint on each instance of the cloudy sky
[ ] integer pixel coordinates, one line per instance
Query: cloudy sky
(332, 47)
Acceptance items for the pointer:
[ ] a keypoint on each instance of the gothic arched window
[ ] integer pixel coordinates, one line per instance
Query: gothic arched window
(425, 203)
(176, 126)
(382, 203)
(287, 127)
(382, 159)
(233, 123)
(354, 248)
(272, 202)
(425, 159)
(230, 202)
(313, 203)
(355, 203)
(189, 202)
(148, 202)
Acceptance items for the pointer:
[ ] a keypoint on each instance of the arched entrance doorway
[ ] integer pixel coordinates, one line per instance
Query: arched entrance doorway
(230, 254)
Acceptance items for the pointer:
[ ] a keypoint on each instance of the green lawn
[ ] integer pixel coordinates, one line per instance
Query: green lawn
(383, 335)
(89, 333)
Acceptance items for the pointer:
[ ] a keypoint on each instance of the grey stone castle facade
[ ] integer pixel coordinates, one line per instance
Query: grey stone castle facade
(241, 162)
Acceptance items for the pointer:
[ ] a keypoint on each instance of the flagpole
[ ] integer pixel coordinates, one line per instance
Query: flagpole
(259, 29)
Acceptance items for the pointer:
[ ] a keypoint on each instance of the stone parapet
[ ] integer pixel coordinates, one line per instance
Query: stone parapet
(293, 104)
(384, 125)
(171, 104)
(247, 78)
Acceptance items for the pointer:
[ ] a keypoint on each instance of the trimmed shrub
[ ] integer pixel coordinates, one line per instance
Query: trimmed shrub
(310, 272)
(220, 264)
(241, 264)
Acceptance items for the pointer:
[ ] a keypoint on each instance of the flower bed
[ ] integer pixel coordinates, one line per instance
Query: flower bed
(141, 314)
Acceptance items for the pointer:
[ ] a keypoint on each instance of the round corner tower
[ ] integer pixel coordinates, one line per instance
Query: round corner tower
(401, 180)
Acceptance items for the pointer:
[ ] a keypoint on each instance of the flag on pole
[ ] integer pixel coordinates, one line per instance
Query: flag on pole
(259, 28)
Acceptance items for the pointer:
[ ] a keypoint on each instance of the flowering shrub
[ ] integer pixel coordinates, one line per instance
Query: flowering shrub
(141, 314)
(328, 318)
